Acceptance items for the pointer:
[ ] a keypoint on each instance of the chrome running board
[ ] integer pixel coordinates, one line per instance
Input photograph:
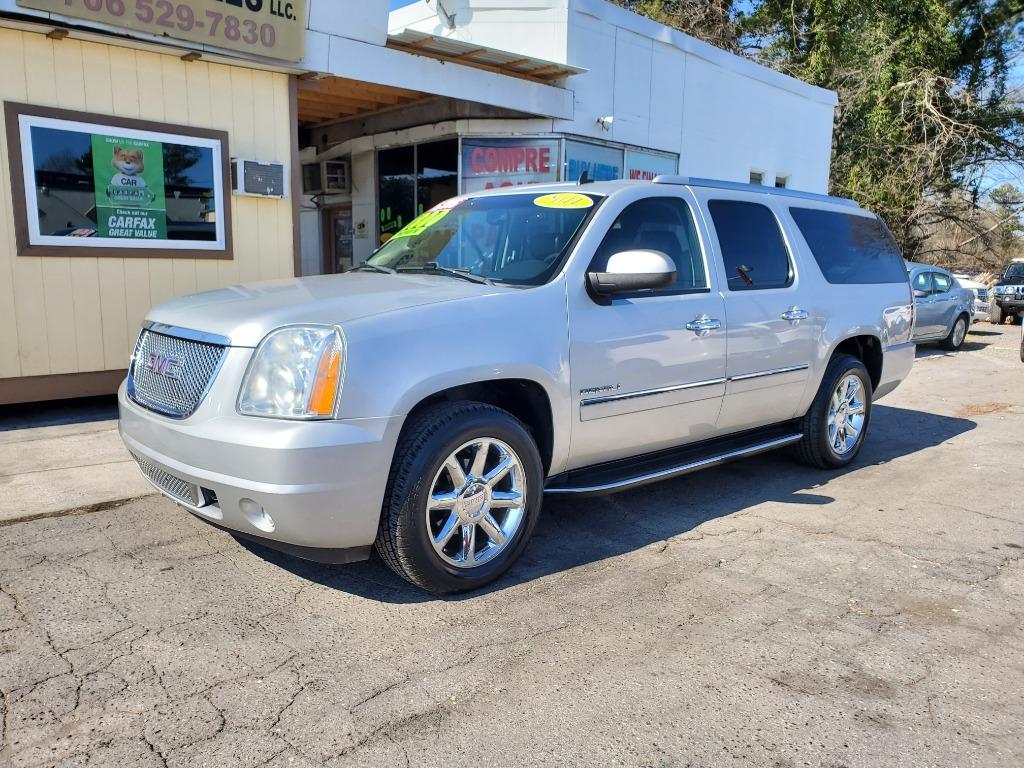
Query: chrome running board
(632, 473)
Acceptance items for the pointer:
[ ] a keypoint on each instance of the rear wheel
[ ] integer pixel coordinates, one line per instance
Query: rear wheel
(957, 334)
(463, 497)
(835, 424)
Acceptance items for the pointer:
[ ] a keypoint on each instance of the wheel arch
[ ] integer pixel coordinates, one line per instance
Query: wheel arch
(526, 399)
(865, 347)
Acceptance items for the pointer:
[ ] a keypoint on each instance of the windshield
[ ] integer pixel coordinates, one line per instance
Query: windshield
(1016, 269)
(518, 238)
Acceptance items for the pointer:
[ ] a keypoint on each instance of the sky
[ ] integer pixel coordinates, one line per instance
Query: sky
(401, 3)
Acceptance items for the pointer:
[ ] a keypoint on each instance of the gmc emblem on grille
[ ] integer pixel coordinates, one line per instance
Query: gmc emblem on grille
(162, 365)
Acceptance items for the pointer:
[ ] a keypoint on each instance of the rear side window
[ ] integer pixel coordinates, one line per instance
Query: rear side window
(753, 250)
(849, 248)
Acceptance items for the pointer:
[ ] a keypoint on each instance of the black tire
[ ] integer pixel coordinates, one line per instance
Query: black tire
(1016, 319)
(950, 343)
(995, 314)
(815, 448)
(426, 442)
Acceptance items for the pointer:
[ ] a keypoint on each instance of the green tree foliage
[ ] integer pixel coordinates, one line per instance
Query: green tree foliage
(1007, 202)
(924, 106)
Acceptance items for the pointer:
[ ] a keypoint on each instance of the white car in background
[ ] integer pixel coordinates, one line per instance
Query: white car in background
(981, 295)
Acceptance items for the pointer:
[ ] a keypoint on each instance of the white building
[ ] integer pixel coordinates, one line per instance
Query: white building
(645, 99)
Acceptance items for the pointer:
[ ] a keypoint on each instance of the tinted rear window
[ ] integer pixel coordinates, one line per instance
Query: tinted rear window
(753, 250)
(851, 249)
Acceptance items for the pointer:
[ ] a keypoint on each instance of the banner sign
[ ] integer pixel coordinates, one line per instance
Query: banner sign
(492, 163)
(91, 185)
(129, 179)
(271, 28)
(602, 163)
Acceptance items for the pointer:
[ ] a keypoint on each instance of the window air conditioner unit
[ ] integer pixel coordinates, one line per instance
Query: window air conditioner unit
(329, 177)
(256, 179)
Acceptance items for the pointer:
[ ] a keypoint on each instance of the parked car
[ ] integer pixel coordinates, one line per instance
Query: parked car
(1009, 294)
(560, 339)
(944, 310)
(981, 295)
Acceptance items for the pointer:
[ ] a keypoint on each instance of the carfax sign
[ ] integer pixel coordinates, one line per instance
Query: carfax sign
(129, 178)
(271, 28)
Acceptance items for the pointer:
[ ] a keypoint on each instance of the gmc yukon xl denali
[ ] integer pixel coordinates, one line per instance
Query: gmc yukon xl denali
(558, 339)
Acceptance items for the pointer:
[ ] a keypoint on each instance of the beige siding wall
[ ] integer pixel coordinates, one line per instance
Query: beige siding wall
(82, 313)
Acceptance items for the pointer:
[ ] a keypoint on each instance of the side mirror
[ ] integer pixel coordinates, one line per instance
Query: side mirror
(919, 294)
(630, 271)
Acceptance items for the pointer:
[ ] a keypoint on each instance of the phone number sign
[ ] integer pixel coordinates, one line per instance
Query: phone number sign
(271, 28)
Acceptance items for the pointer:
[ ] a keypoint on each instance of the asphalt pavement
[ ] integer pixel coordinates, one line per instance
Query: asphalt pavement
(759, 614)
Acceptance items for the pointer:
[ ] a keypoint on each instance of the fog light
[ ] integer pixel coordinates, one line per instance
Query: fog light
(256, 515)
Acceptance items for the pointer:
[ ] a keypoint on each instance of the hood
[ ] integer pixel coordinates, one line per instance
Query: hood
(1011, 280)
(247, 313)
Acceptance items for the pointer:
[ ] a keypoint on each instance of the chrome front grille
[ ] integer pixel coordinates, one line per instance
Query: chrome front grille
(182, 490)
(171, 374)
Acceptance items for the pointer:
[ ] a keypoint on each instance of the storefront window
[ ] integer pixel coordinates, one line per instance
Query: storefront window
(601, 163)
(493, 163)
(396, 170)
(647, 165)
(437, 173)
(96, 185)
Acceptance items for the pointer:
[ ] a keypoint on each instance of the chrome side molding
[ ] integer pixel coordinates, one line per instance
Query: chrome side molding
(771, 372)
(649, 392)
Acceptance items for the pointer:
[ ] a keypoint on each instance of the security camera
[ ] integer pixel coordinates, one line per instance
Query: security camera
(606, 122)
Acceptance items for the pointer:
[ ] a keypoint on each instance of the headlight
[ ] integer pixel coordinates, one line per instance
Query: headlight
(296, 373)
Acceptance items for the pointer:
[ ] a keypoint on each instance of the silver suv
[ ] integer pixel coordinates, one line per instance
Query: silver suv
(561, 339)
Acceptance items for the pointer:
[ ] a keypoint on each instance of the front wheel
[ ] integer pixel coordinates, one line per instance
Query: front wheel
(995, 314)
(835, 424)
(463, 498)
(957, 334)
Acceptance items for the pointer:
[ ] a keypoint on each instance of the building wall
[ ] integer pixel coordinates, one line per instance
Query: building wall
(77, 314)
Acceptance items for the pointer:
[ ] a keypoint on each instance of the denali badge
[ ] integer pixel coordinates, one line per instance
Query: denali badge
(161, 365)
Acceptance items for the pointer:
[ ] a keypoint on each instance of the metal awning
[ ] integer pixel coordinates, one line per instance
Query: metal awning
(472, 55)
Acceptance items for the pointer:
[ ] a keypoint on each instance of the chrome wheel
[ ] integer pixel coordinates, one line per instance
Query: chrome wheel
(959, 332)
(477, 503)
(846, 415)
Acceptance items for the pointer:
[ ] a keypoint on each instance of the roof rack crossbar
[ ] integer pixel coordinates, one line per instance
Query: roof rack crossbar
(692, 181)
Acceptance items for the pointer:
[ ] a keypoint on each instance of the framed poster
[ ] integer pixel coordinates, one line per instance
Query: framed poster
(92, 185)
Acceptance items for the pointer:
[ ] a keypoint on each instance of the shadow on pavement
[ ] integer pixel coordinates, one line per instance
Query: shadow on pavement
(573, 532)
(54, 412)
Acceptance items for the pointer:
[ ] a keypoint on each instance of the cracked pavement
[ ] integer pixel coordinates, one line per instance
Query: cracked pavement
(758, 614)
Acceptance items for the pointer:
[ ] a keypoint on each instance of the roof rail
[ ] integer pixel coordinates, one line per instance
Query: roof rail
(691, 181)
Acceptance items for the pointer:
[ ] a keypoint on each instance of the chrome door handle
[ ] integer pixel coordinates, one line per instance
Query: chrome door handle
(795, 314)
(702, 325)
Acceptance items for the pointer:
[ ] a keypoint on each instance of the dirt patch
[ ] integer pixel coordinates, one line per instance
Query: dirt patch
(982, 409)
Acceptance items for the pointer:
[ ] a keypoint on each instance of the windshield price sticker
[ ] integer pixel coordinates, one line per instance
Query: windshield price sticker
(564, 200)
(273, 28)
(422, 223)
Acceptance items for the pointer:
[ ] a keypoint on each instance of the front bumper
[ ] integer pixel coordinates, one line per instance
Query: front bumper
(1010, 304)
(313, 488)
